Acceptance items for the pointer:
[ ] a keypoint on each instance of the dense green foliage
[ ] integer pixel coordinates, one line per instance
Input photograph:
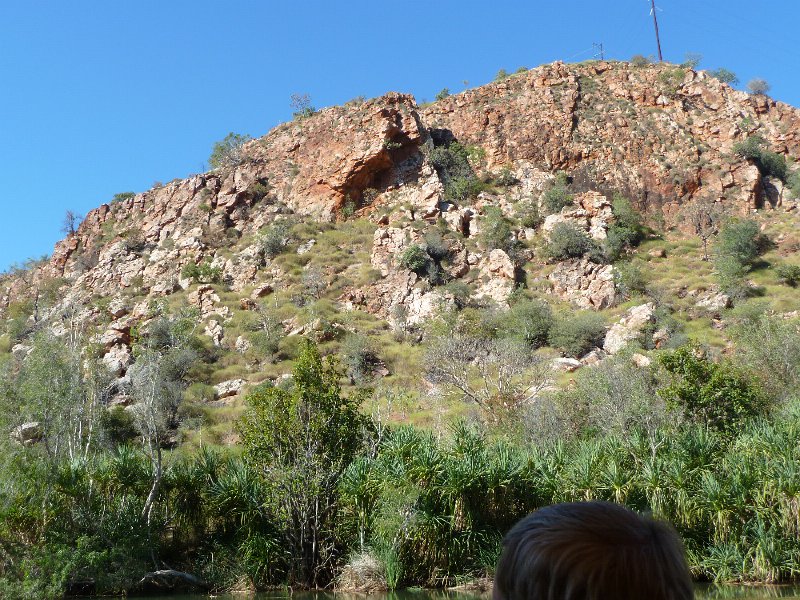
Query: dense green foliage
(577, 333)
(202, 273)
(557, 195)
(737, 247)
(708, 444)
(452, 163)
(626, 232)
(567, 241)
(769, 163)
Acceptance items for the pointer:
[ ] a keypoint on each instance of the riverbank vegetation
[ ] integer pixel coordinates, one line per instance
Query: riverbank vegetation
(317, 491)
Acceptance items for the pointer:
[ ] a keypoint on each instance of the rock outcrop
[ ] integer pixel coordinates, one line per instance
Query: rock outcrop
(661, 135)
(586, 284)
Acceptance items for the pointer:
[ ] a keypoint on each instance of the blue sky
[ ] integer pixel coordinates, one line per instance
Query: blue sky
(102, 97)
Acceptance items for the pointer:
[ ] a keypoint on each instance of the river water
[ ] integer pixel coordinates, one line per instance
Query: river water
(703, 593)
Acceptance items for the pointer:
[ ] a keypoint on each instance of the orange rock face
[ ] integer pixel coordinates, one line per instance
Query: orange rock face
(661, 135)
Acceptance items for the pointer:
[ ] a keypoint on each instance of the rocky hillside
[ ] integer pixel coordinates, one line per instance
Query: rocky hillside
(320, 222)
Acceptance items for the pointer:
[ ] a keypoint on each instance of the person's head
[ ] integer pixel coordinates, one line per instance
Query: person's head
(591, 551)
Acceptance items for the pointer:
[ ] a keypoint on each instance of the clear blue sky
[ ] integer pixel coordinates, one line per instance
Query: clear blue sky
(101, 97)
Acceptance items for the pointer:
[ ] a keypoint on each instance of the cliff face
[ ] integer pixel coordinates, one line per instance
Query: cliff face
(661, 135)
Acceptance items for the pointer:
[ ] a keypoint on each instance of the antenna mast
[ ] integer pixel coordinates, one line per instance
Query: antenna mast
(655, 22)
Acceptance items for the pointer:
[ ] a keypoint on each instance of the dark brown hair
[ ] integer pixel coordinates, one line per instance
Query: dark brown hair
(591, 551)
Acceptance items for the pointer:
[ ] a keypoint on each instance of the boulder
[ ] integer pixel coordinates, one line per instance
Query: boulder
(215, 331)
(629, 327)
(566, 364)
(585, 284)
(28, 434)
(226, 389)
(714, 301)
(117, 359)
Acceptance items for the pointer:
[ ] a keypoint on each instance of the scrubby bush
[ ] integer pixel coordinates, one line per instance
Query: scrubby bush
(557, 196)
(692, 60)
(575, 334)
(709, 393)
(529, 321)
(122, 196)
(725, 76)
(414, 258)
(501, 75)
(527, 213)
(275, 239)
(769, 163)
(627, 230)
(741, 239)
(758, 86)
(567, 241)
(629, 279)
(445, 93)
(229, 151)
(639, 60)
(505, 178)
(202, 273)
(496, 231)
(301, 106)
(788, 274)
(359, 357)
(452, 163)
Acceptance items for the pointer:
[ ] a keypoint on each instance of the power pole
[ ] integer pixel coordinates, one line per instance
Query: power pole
(655, 22)
(600, 52)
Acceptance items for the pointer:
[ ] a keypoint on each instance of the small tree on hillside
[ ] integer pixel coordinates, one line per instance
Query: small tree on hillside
(758, 87)
(705, 218)
(725, 76)
(300, 441)
(229, 151)
(71, 221)
(301, 105)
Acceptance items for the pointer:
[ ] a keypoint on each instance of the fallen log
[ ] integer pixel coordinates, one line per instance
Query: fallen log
(170, 579)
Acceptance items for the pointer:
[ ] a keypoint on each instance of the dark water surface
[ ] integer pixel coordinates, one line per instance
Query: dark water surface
(703, 593)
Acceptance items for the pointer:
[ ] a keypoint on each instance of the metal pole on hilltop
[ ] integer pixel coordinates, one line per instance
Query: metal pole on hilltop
(655, 22)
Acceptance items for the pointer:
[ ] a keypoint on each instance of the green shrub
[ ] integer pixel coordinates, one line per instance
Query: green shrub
(202, 273)
(414, 258)
(452, 163)
(228, 152)
(505, 178)
(709, 393)
(117, 427)
(557, 196)
(742, 240)
(529, 321)
(629, 279)
(359, 357)
(501, 75)
(626, 231)
(725, 76)
(436, 247)
(567, 241)
(496, 231)
(445, 93)
(768, 163)
(575, 334)
(527, 213)
(122, 196)
(639, 60)
(275, 239)
(732, 276)
(788, 274)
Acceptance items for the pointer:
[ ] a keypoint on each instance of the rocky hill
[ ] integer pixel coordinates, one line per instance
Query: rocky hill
(319, 221)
